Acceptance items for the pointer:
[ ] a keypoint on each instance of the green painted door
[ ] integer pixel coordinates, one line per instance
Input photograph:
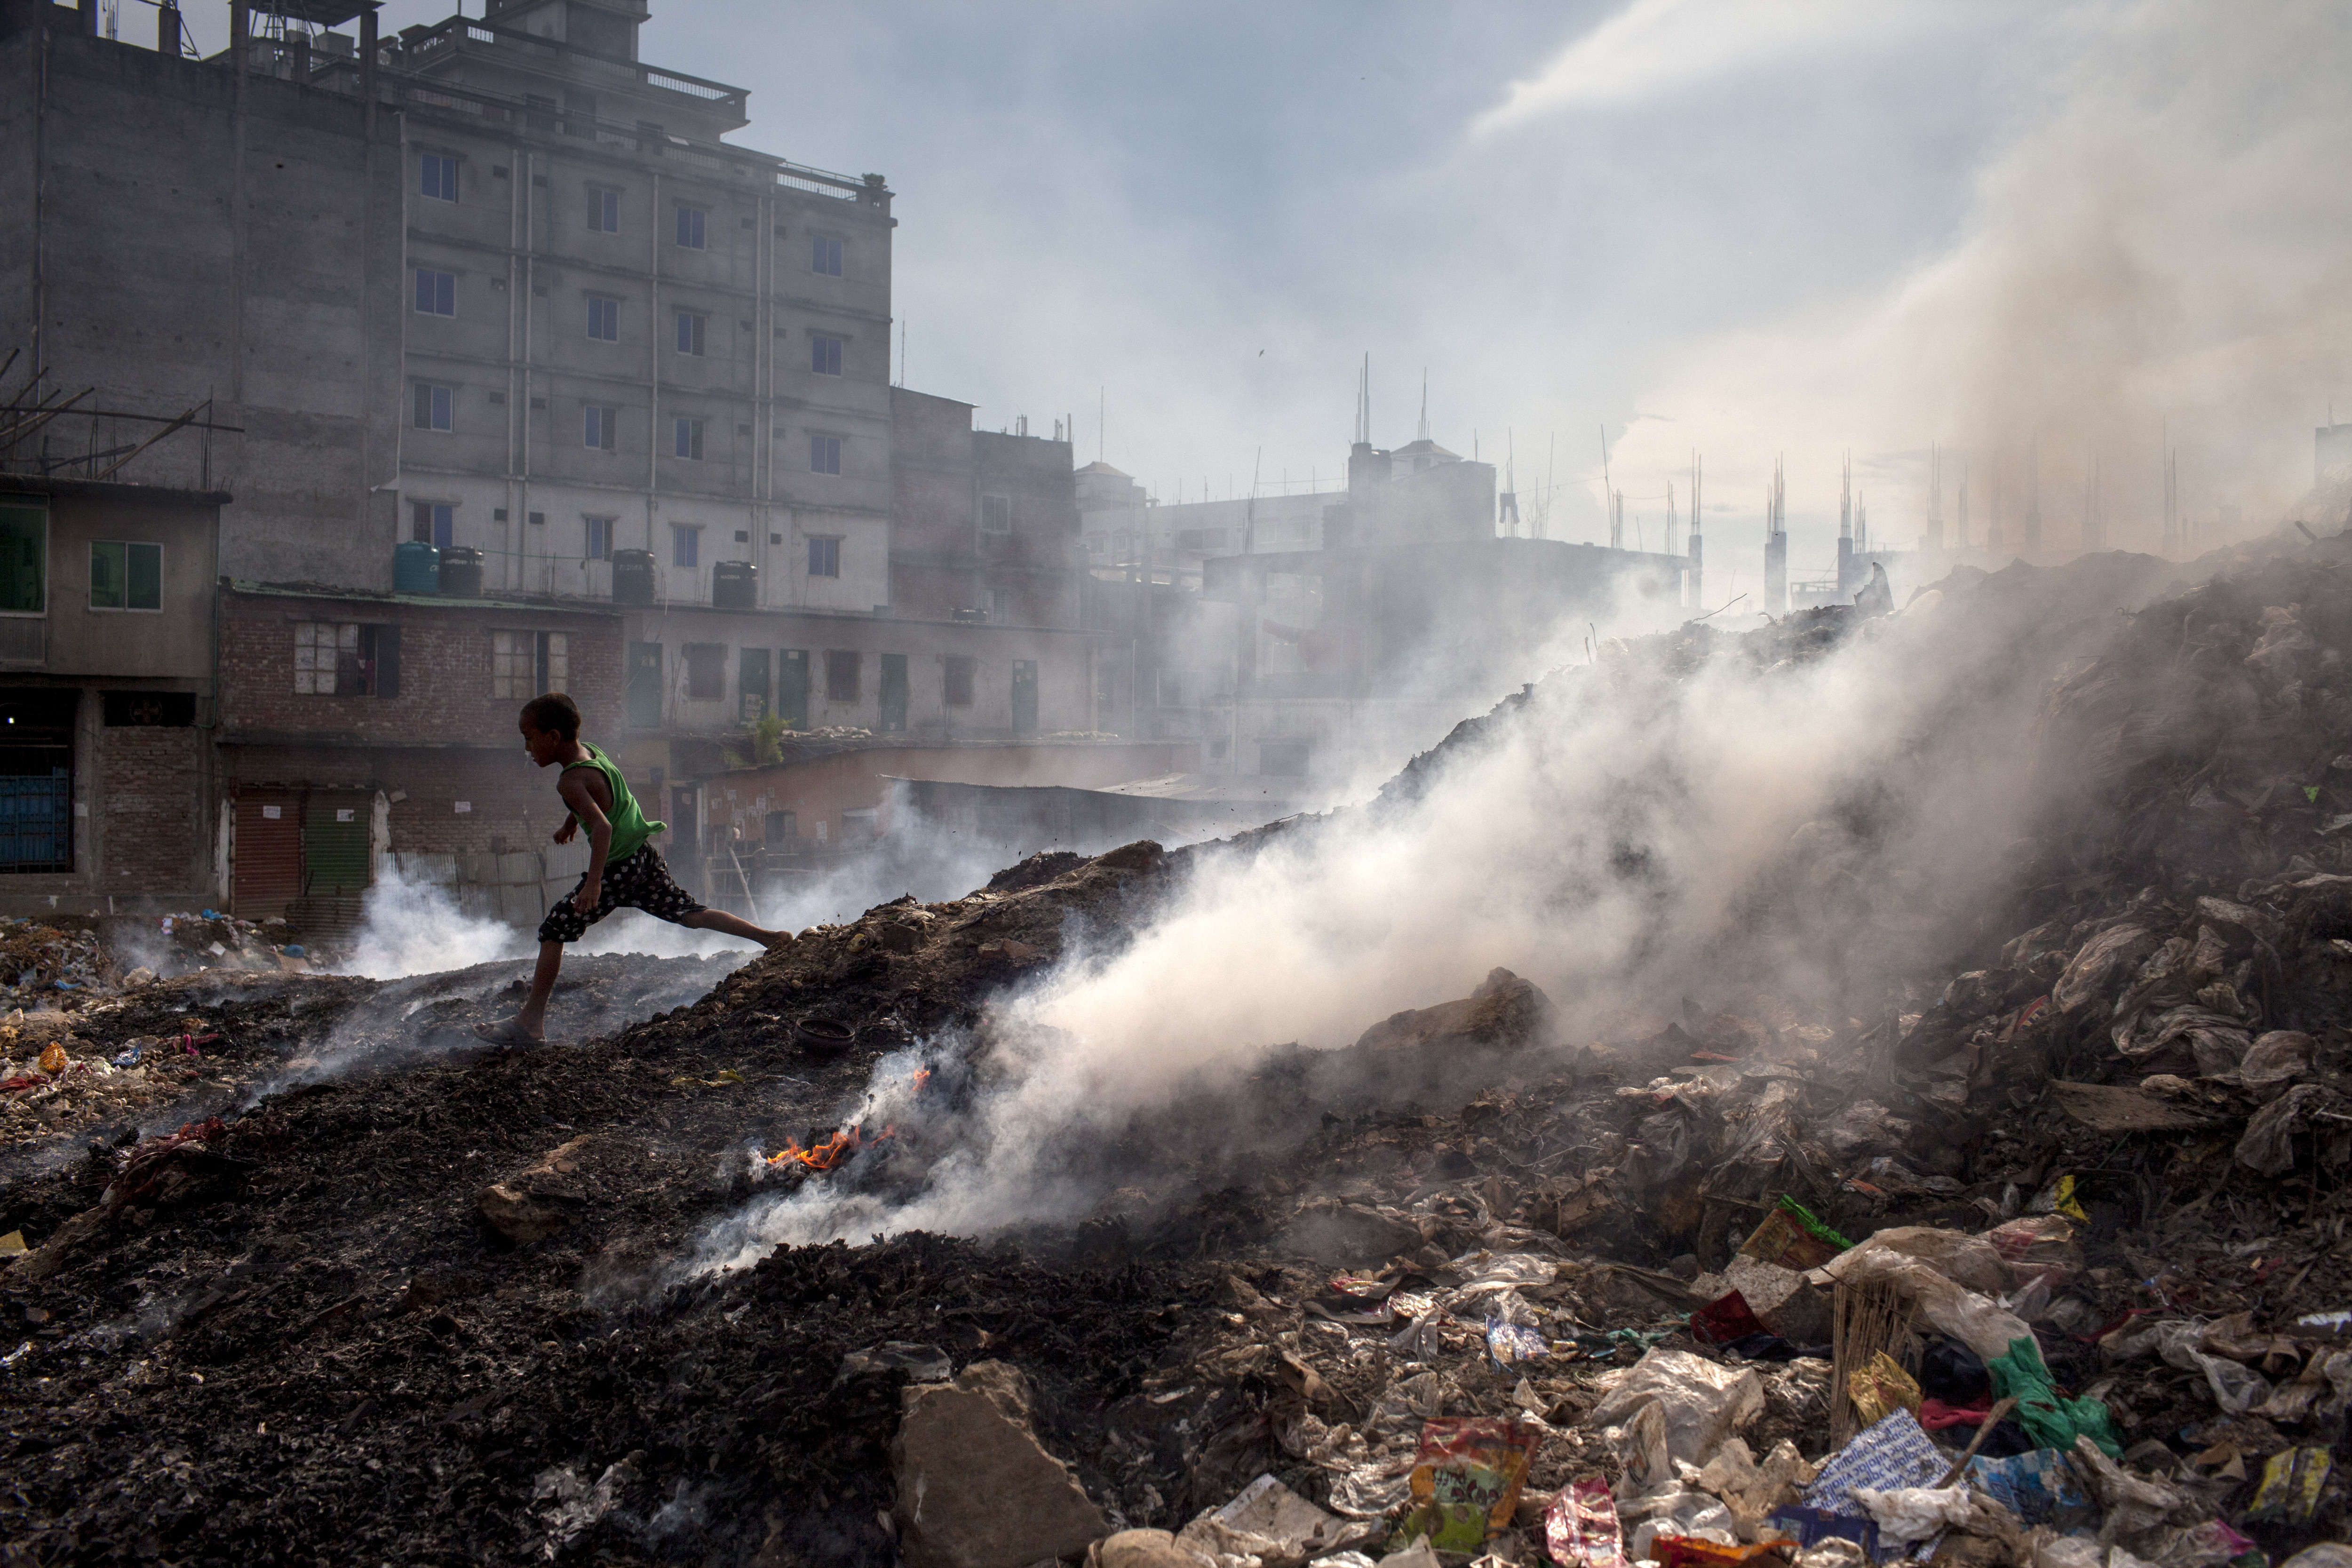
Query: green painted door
(645, 685)
(752, 681)
(792, 687)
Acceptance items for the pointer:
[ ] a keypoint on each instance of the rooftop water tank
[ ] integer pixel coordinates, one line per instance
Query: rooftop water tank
(415, 568)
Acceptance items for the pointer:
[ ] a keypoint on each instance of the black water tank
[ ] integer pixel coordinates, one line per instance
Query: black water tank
(461, 572)
(735, 585)
(633, 576)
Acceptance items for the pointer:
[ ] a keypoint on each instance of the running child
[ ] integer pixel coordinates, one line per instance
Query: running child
(623, 868)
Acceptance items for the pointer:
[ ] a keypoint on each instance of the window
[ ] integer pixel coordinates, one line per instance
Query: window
(645, 685)
(690, 326)
(825, 354)
(525, 664)
(824, 454)
(782, 828)
(962, 667)
(706, 672)
(1098, 544)
(603, 209)
(997, 514)
(433, 405)
(1000, 607)
(342, 659)
(150, 710)
(602, 427)
(825, 255)
(840, 676)
(436, 292)
(24, 560)
(603, 319)
(598, 544)
(688, 439)
(685, 546)
(432, 522)
(438, 177)
(125, 577)
(824, 557)
(691, 224)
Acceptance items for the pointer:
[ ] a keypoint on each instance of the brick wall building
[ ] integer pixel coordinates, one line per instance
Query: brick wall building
(359, 727)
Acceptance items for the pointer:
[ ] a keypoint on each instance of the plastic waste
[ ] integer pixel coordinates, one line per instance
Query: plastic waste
(2327, 1554)
(1465, 1482)
(1950, 1372)
(1907, 1514)
(1580, 1527)
(1701, 1402)
(2289, 1493)
(1879, 1386)
(1792, 1237)
(2039, 1487)
(1896, 1452)
(54, 1059)
(2052, 1420)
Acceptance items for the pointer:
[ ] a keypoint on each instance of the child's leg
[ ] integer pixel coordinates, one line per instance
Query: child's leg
(532, 1015)
(721, 921)
(651, 888)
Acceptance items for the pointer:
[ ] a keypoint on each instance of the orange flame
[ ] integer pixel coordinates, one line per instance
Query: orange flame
(828, 1152)
(922, 1077)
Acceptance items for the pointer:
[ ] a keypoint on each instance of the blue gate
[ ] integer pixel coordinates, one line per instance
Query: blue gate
(37, 821)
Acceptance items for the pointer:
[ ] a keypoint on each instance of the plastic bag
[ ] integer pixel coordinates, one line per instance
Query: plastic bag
(1897, 1452)
(1879, 1387)
(1702, 1403)
(1791, 1237)
(2293, 1480)
(2053, 1421)
(1954, 1373)
(2039, 1487)
(2037, 1248)
(1466, 1484)
(1580, 1527)
(1905, 1514)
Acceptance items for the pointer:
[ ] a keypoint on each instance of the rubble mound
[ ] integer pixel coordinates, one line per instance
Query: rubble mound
(2028, 1225)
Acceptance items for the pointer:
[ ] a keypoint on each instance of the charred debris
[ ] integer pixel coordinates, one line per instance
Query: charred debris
(2037, 1257)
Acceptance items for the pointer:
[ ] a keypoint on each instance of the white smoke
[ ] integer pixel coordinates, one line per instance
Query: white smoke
(2156, 255)
(1625, 840)
(409, 927)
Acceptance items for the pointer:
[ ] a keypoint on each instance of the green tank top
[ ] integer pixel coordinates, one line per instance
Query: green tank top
(630, 829)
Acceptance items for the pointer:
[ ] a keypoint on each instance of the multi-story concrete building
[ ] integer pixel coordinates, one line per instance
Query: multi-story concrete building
(499, 287)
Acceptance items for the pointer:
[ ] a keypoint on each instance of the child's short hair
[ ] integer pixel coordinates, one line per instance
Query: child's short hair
(554, 714)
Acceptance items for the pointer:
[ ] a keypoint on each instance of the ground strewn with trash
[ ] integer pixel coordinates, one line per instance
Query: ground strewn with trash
(2035, 1259)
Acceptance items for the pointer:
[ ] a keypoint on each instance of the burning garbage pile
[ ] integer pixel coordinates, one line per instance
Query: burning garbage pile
(2010, 1231)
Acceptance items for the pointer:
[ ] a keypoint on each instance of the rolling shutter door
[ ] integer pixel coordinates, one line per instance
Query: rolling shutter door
(266, 866)
(335, 841)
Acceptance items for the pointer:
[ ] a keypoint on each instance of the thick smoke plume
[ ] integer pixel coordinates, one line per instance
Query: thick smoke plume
(1627, 835)
(2156, 254)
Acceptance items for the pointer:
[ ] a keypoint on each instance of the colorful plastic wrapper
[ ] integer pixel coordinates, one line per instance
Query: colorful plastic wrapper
(1896, 1452)
(1511, 1343)
(1809, 1527)
(1879, 1387)
(1791, 1237)
(1466, 1484)
(1697, 1551)
(1727, 1319)
(2292, 1481)
(1580, 1527)
(2039, 1487)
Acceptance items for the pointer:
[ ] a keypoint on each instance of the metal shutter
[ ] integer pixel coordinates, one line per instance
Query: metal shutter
(335, 841)
(266, 855)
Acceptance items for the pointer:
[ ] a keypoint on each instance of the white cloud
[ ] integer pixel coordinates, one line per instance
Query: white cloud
(1658, 46)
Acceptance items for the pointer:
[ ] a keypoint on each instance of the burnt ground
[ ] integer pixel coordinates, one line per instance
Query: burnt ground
(306, 1344)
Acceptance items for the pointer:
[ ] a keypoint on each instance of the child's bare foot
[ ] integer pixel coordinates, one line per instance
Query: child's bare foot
(508, 1032)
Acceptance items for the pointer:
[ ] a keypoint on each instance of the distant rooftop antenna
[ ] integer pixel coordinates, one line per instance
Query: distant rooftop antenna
(1422, 434)
(1364, 403)
(1508, 512)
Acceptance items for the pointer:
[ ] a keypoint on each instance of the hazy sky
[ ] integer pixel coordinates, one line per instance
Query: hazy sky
(1747, 226)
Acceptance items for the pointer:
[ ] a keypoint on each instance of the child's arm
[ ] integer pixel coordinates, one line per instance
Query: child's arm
(575, 790)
